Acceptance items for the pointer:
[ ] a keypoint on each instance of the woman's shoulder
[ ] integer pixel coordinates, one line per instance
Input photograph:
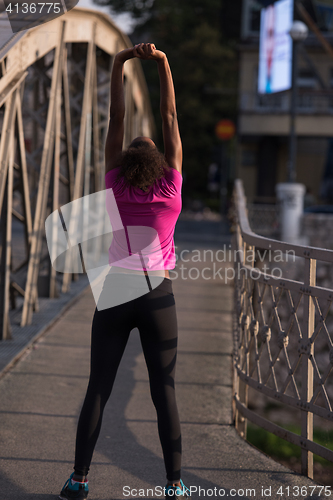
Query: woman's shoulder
(173, 172)
(111, 176)
(112, 171)
(172, 181)
(173, 175)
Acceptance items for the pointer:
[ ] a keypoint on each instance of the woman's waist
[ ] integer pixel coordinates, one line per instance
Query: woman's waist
(136, 272)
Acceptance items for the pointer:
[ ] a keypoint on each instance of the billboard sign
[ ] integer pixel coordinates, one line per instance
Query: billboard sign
(275, 49)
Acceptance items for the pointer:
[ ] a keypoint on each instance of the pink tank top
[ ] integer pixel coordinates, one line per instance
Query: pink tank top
(148, 219)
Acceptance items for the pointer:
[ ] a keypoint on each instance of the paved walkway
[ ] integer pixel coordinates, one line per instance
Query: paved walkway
(49, 311)
(42, 394)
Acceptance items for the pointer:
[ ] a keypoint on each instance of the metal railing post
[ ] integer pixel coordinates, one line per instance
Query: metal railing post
(307, 350)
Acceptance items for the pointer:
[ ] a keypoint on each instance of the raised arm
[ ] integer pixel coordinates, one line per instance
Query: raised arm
(172, 142)
(115, 136)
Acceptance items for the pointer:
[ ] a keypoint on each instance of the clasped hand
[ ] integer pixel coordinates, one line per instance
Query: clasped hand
(141, 51)
(147, 51)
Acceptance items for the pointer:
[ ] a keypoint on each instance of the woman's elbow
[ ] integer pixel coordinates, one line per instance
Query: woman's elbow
(169, 115)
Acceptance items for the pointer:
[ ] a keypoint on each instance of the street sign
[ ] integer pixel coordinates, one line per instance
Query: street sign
(225, 130)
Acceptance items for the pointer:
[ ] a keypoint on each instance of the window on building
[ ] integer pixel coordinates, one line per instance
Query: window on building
(312, 146)
(249, 157)
(254, 24)
(306, 79)
(324, 14)
(251, 18)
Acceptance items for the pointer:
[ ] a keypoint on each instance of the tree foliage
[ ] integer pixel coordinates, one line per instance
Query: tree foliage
(202, 54)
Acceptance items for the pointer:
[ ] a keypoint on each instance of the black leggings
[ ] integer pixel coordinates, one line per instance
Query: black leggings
(154, 314)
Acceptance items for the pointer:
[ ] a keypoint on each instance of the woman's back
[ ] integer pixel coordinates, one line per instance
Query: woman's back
(155, 212)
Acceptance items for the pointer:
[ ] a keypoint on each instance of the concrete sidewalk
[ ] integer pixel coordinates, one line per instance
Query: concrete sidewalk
(41, 397)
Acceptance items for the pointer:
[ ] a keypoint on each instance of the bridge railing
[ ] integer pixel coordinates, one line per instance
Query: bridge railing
(283, 329)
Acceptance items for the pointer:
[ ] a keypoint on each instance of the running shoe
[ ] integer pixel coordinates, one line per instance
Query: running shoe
(74, 491)
(177, 492)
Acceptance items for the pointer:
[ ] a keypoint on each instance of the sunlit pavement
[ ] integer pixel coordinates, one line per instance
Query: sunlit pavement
(42, 395)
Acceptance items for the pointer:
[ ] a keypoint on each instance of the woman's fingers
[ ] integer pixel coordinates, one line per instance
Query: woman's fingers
(140, 50)
(144, 50)
(151, 48)
(135, 51)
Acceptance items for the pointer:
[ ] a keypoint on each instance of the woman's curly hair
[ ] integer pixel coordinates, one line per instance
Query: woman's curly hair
(141, 165)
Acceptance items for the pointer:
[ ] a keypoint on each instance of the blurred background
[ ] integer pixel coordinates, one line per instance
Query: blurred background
(213, 48)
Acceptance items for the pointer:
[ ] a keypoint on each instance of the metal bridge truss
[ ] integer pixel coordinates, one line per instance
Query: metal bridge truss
(54, 112)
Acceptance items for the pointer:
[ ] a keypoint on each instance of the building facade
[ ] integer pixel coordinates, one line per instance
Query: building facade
(264, 119)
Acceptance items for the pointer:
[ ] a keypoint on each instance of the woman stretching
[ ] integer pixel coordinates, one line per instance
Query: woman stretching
(147, 188)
